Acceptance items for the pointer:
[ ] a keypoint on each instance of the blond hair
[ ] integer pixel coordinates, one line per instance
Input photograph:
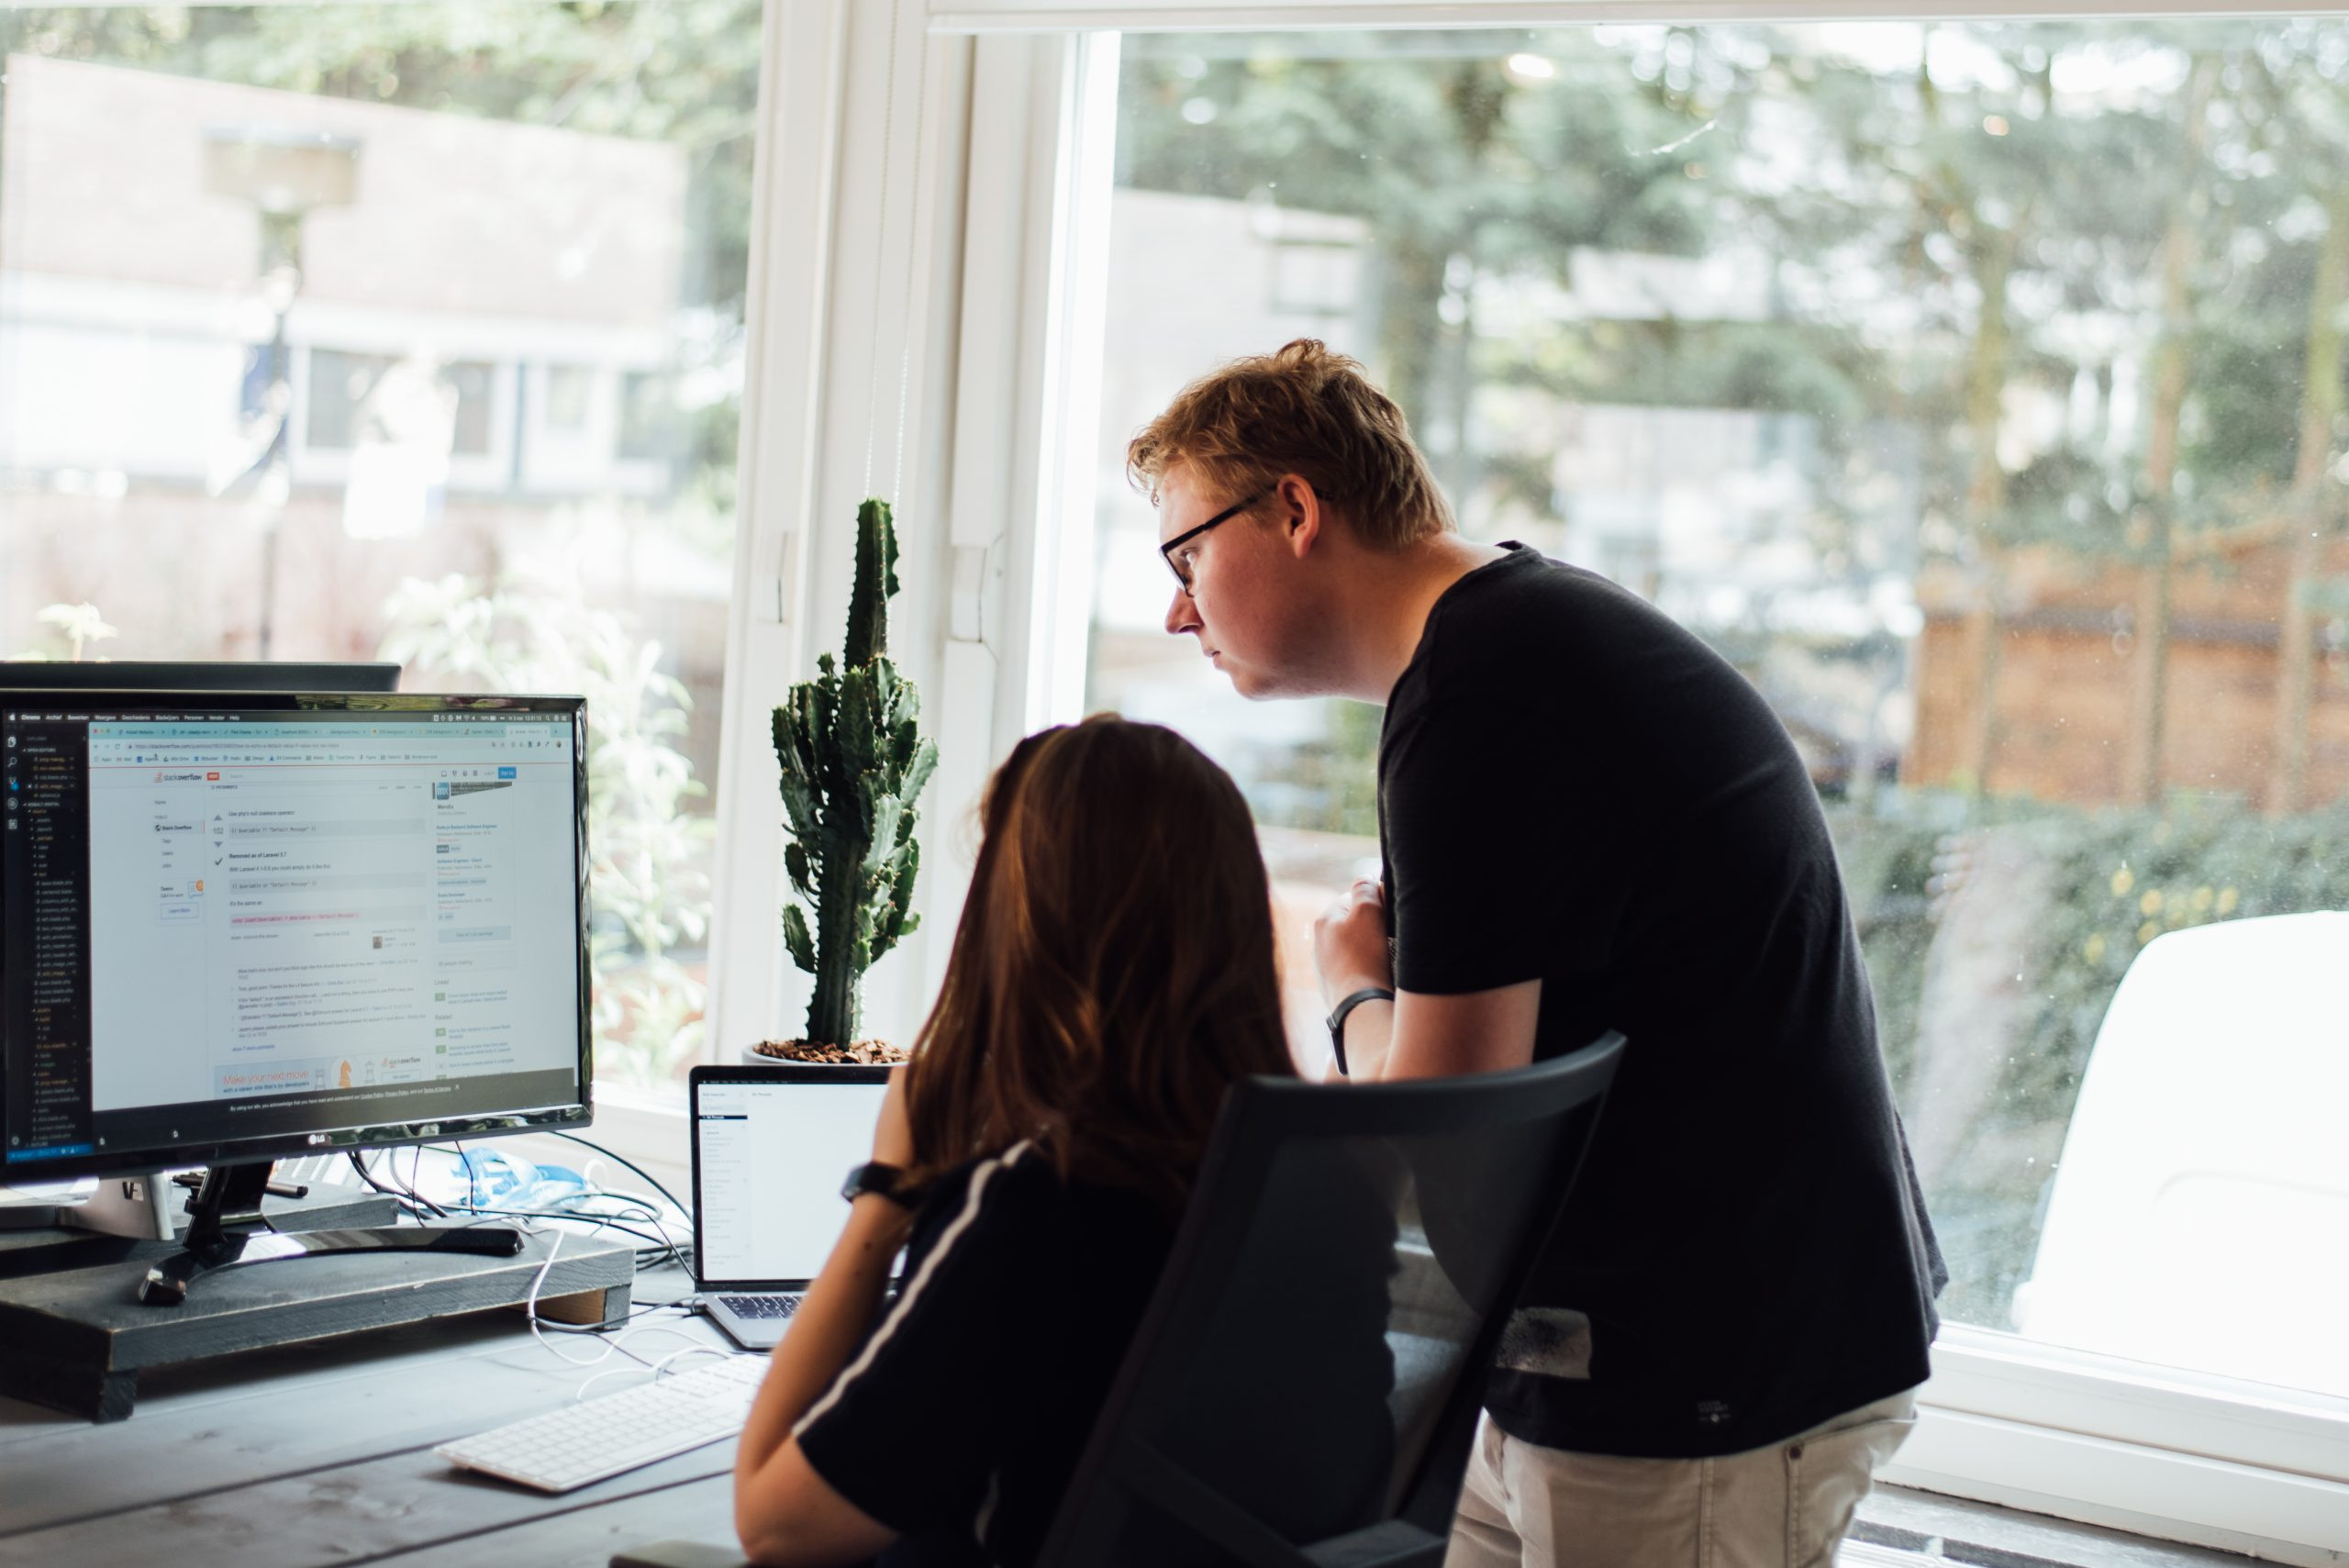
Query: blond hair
(1307, 411)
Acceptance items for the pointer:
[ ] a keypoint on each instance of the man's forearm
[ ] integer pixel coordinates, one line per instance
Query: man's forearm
(1369, 1031)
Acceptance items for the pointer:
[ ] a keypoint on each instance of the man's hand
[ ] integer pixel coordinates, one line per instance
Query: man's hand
(1350, 943)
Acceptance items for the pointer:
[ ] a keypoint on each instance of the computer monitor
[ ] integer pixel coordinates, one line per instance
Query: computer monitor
(195, 675)
(238, 926)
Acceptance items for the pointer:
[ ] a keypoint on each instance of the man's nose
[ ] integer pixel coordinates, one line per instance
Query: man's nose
(1182, 616)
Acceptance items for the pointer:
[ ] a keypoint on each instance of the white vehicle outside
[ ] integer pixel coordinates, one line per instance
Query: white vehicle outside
(2200, 1216)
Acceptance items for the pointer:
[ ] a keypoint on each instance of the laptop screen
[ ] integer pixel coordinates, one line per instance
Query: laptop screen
(769, 1159)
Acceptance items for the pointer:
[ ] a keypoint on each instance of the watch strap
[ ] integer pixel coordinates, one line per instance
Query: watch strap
(1338, 1018)
(882, 1181)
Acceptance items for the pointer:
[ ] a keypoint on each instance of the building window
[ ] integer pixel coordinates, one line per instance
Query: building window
(358, 397)
(570, 389)
(272, 280)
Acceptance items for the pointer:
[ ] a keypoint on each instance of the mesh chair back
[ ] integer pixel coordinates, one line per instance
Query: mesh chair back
(1304, 1387)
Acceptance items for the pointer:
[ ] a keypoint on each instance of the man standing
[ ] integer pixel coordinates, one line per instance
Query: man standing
(1589, 821)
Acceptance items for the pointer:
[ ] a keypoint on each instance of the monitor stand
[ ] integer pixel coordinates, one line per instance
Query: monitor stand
(226, 1229)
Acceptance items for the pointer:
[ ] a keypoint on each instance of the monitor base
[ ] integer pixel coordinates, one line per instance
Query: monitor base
(167, 1281)
(226, 1229)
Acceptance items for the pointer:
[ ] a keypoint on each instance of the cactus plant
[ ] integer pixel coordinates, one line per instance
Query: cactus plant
(853, 764)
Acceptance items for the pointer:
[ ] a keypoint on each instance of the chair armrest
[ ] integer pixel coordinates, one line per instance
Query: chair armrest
(680, 1555)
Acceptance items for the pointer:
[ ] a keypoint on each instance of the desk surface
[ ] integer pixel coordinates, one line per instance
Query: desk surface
(322, 1453)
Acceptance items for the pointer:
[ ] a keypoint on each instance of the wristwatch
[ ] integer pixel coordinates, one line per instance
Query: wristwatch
(1338, 1018)
(883, 1181)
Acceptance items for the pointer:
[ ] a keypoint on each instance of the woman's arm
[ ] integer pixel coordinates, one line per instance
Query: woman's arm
(787, 1514)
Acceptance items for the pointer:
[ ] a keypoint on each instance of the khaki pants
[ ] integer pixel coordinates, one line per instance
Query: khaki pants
(1785, 1506)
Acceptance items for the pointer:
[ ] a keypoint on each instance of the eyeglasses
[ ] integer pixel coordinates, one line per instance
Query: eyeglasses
(1166, 550)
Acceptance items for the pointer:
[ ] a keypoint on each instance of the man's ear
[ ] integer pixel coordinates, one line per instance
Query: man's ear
(1304, 516)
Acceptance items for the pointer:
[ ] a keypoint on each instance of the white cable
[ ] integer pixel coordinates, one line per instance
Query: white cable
(530, 1310)
(703, 1350)
(636, 1208)
(618, 1341)
(658, 1367)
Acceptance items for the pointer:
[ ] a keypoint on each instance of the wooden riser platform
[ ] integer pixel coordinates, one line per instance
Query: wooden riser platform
(76, 1339)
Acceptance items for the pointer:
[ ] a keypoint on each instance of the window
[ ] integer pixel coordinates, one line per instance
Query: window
(648, 415)
(359, 399)
(1979, 390)
(306, 312)
(340, 385)
(568, 389)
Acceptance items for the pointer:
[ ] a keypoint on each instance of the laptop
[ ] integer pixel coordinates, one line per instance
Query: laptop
(771, 1148)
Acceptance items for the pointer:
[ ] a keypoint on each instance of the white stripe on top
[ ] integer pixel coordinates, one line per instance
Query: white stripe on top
(962, 1222)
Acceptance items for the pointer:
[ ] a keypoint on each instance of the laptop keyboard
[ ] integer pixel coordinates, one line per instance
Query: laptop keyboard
(762, 1306)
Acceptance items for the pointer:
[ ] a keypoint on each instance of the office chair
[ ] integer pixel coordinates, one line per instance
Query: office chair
(1304, 1387)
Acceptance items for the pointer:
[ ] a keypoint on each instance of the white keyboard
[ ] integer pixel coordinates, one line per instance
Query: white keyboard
(601, 1436)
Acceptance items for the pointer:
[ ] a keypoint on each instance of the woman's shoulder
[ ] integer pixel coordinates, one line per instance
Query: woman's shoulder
(1018, 1174)
(1022, 1179)
(1019, 1201)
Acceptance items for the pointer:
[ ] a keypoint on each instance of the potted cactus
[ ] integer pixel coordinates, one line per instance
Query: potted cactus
(853, 764)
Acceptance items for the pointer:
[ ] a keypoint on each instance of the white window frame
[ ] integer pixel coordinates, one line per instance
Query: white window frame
(855, 267)
(925, 306)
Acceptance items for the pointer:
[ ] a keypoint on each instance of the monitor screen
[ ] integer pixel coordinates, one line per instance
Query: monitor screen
(770, 1153)
(237, 927)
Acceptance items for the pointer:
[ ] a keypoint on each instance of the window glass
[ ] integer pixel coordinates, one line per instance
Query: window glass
(1976, 390)
(408, 332)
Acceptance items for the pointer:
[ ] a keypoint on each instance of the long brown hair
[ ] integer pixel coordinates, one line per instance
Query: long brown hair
(1113, 971)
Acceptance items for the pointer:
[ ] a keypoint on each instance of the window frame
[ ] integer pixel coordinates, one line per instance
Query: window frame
(2206, 1460)
(842, 397)
(861, 132)
(953, 142)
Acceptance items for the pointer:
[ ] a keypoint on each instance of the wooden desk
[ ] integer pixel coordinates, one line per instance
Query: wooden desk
(322, 1453)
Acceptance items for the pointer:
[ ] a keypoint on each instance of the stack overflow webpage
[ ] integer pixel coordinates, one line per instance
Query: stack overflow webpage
(381, 911)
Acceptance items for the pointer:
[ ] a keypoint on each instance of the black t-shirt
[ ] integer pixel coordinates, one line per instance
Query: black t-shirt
(963, 1418)
(1574, 788)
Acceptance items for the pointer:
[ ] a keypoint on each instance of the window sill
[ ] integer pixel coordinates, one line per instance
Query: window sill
(1899, 1526)
(2042, 1457)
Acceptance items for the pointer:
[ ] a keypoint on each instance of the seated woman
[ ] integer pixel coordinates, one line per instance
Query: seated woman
(1112, 974)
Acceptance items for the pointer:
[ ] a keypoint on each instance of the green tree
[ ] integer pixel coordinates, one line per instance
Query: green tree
(1457, 166)
(2300, 104)
(648, 855)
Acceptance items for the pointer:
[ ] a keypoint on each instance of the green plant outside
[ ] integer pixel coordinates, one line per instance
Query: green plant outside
(648, 857)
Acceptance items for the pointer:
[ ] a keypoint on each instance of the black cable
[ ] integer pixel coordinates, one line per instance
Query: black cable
(578, 1218)
(684, 1209)
(663, 1249)
(659, 1254)
(408, 1204)
(391, 1158)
